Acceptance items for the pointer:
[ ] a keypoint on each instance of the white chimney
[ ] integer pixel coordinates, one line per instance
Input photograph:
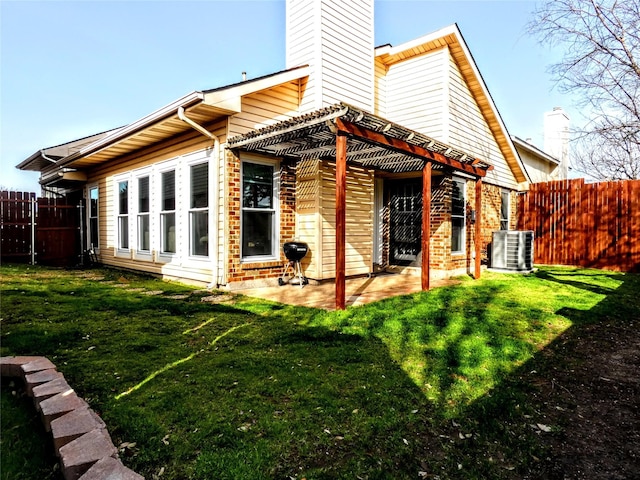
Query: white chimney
(556, 138)
(335, 38)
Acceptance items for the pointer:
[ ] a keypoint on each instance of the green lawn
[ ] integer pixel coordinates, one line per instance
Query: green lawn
(421, 386)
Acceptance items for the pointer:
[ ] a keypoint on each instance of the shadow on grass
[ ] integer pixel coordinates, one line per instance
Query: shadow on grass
(571, 411)
(447, 382)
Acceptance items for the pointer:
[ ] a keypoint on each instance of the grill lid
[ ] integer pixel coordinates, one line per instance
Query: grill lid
(295, 251)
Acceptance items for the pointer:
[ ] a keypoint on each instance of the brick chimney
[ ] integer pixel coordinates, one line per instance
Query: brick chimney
(335, 38)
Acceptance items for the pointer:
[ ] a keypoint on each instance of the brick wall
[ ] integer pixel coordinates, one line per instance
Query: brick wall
(245, 272)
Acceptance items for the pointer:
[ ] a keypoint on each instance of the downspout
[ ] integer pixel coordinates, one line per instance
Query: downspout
(216, 188)
(45, 189)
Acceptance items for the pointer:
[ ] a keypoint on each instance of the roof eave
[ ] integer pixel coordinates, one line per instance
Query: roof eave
(518, 142)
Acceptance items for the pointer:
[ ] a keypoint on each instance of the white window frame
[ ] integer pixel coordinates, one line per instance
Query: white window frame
(275, 231)
(463, 234)
(119, 217)
(192, 211)
(504, 222)
(136, 214)
(162, 213)
(90, 229)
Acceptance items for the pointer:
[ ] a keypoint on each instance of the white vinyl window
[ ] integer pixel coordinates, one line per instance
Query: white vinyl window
(143, 214)
(123, 215)
(458, 217)
(168, 212)
(504, 210)
(94, 196)
(259, 210)
(199, 210)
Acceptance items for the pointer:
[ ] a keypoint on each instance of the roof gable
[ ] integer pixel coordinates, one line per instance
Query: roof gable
(450, 37)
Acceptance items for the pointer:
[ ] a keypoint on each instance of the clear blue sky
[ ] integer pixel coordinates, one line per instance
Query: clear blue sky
(71, 69)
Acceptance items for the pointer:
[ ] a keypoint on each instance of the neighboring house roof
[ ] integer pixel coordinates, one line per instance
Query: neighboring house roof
(452, 38)
(374, 142)
(202, 106)
(519, 143)
(46, 157)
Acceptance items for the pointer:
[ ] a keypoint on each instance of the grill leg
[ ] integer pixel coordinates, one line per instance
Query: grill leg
(301, 278)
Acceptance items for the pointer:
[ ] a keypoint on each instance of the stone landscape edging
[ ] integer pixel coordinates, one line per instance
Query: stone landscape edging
(80, 437)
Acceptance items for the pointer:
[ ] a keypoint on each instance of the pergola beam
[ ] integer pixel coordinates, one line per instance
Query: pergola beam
(407, 148)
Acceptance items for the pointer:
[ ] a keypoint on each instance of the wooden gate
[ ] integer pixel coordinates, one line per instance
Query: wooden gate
(589, 225)
(43, 230)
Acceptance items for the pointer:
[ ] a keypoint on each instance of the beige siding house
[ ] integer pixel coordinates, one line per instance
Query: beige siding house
(335, 151)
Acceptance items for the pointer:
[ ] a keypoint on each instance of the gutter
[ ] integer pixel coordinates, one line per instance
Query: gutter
(216, 189)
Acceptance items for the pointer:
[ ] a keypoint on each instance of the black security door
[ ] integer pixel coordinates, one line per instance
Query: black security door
(405, 215)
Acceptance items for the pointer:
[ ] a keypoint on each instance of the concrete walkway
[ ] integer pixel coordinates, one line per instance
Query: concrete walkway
(359, 290)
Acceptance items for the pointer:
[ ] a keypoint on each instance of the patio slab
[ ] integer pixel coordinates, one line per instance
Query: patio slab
(359, 290)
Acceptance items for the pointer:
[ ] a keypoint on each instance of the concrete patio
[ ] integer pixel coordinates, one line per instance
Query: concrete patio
(359, 290)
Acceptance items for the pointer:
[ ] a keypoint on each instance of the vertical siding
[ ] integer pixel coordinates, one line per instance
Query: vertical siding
(415, 93)
(469, 130)
(266, 108)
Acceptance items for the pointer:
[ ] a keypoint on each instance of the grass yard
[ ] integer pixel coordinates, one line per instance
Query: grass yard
(443, 384)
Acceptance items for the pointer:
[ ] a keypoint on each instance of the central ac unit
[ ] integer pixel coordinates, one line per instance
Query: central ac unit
(512, 250)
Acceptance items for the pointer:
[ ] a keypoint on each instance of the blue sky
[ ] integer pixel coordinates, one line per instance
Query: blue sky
(74, 68)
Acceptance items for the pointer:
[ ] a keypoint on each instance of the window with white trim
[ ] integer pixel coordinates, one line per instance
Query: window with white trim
(94, 196)
(199, 210)
(259, 210)
(123, 214)
(168, 212)
(143, 214)
(504, 210)
(458, 217)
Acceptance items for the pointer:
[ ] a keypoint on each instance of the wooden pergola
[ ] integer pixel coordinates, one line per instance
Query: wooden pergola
(350, 135)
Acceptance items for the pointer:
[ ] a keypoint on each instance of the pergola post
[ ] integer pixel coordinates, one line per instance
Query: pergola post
(341, 194)
(478, 231)
(426, 224)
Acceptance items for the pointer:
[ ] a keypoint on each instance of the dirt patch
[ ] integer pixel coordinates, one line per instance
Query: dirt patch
(588, 392)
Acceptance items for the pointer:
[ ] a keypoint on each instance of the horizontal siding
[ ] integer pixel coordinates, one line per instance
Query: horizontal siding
(470, 132)
(347, 54)
(265, 108)
(416, 93)
(380, 89)
(302, 48)
(359, 220)
(173, 154)
(308, 227)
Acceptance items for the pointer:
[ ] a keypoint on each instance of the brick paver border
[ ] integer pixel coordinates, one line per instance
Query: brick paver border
(80, 437)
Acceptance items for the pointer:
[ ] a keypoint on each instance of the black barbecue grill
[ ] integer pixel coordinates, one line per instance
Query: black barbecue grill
(294, 251)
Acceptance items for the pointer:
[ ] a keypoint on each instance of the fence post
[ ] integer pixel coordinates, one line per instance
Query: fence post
(33, 230)
(81, 208)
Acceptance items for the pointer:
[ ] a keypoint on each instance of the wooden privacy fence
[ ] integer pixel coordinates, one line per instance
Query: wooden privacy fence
(589, 225)
(38, 230)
